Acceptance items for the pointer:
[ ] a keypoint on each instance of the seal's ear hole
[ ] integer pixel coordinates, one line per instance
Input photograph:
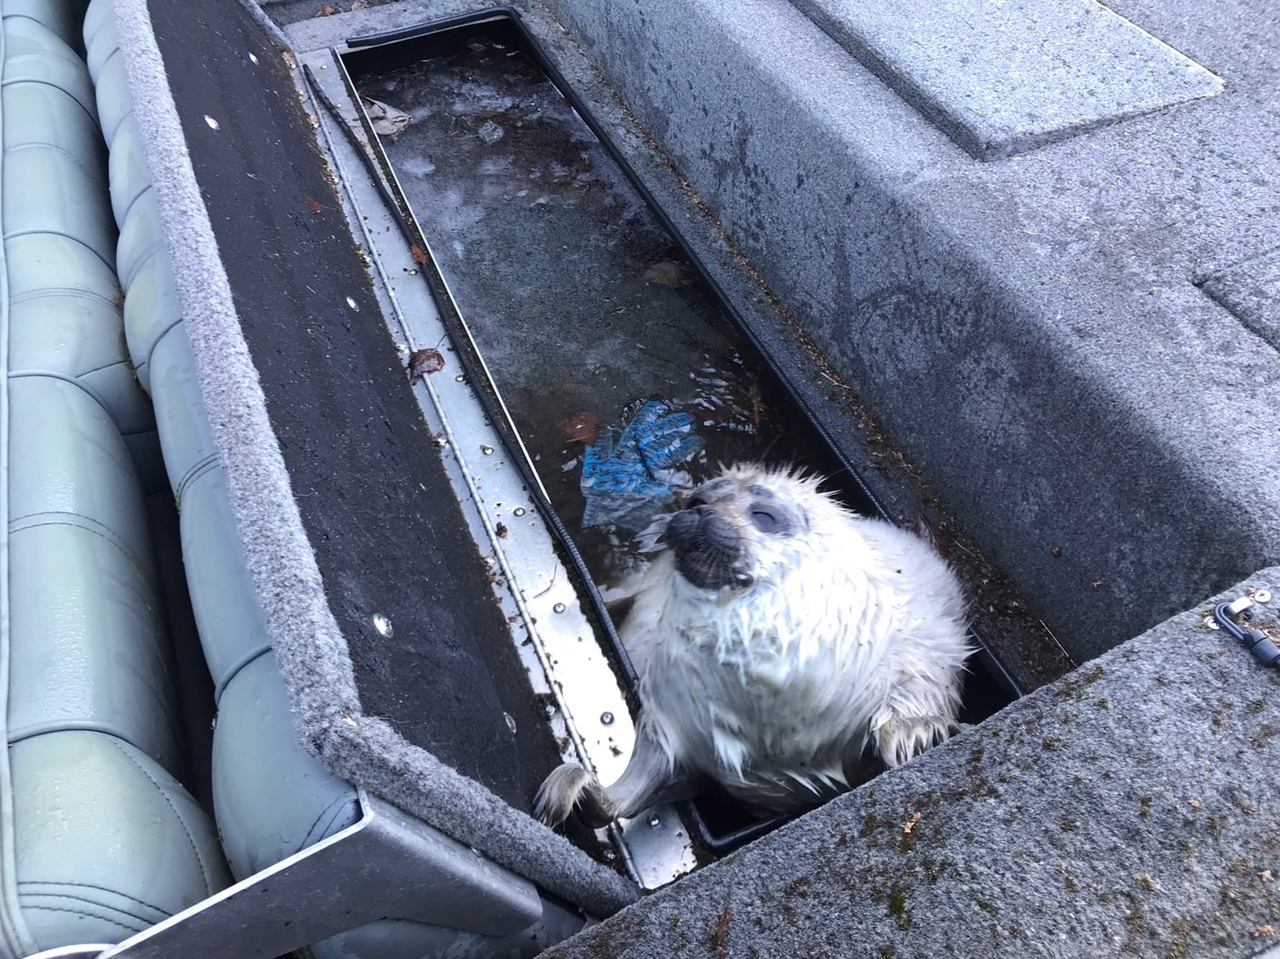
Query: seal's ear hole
(764, 520)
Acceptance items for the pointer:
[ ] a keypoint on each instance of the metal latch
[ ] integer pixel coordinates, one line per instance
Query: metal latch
(1263, 648)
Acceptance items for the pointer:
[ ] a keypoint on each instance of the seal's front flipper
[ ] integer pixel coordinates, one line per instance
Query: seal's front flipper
(650, 777)
(900, 739)
(569, 788)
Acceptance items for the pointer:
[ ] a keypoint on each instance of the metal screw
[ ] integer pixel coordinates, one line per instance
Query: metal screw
(459, 378)
(606, 718)
(558, 607)
(382, 624)
(1262, 595)
(518, 511)
(609, 855)
(486, 450)
(655, 821)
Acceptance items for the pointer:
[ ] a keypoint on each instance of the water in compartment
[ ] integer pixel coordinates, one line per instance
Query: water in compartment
(582, 304)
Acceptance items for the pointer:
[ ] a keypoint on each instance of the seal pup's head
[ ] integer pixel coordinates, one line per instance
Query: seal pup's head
(746, 525)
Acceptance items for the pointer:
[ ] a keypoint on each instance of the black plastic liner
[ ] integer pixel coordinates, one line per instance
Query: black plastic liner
(581, 296)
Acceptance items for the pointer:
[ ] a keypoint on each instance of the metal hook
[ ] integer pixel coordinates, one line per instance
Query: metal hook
(1261, 646)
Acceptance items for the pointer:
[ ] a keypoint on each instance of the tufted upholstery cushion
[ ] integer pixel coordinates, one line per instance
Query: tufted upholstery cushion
(97, 837)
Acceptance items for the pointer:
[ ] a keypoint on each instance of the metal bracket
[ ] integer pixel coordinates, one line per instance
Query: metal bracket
(385, 866)
(1262, 647)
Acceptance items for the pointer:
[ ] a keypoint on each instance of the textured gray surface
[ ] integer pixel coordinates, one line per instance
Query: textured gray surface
(1004, 78)
(1251, 290)
(1123, 810)
(1028, 329)
(311, 650)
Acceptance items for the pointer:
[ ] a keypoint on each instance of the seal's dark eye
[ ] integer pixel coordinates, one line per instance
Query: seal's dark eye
(764, 520)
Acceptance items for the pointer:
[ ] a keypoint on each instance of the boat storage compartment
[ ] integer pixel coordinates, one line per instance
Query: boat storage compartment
(568, 308)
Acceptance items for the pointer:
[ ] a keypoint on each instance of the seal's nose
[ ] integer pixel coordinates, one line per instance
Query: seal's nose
(702, 529)
(707, 547)
(720, 535)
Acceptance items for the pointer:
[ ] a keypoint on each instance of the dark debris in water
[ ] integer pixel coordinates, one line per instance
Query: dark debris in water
(929, 531)
(672, 273)
(726, 399)
(581, 427)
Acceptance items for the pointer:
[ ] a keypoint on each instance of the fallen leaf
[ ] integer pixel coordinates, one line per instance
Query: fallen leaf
(1263, 932)
(584, 427)
(326, 11)
(1266, 876)
(1193, 803)
(1056, 552)
(419, 257)
(1097, 583)
(314, 204)
(422, 362)
(909, 824)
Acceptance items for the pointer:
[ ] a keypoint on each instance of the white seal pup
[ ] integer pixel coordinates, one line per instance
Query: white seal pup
(778, 639)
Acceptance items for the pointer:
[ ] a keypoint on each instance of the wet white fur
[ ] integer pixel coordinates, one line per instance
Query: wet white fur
(852, 633)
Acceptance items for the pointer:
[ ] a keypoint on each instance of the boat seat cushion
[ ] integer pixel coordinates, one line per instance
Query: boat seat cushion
(103, 839)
